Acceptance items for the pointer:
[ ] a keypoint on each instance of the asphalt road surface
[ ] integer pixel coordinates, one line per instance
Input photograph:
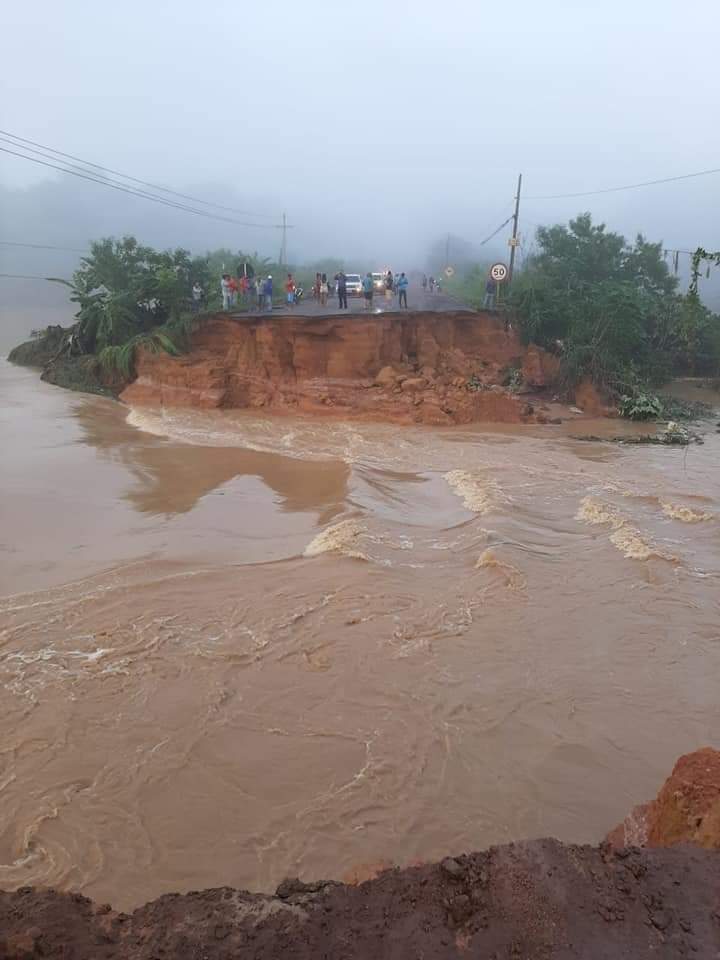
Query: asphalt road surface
(417, 300)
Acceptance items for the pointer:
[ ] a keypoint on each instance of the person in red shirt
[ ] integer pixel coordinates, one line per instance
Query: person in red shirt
(244, 287)
(290, 291)
(233, 284)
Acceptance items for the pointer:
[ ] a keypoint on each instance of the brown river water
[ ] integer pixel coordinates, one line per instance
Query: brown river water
(235, 648)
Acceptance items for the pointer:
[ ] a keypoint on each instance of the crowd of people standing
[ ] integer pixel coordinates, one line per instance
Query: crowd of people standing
(248, 291)
(430, 284)
(389, 286)
(257, 293)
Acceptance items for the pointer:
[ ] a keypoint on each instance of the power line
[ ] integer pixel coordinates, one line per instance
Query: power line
(496, 232)
(137, 193)
(39, 246)
(76, 171)
(25, 276)
(125, 176)
(629, 186)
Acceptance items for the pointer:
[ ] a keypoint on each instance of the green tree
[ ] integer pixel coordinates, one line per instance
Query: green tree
(612, 308)
(124, 289)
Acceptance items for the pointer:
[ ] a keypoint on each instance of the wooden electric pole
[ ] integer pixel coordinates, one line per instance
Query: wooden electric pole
(514, 241)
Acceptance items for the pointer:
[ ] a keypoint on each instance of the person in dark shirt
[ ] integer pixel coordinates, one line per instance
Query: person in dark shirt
(490, 294)
(268, 293)
(342, 291)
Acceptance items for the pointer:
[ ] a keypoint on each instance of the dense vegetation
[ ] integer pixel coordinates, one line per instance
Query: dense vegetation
(127, 295)
(612, 309)
(130, 295)
(468, 282)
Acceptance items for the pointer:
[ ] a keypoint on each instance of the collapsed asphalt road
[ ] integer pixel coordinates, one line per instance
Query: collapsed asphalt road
(418, 299)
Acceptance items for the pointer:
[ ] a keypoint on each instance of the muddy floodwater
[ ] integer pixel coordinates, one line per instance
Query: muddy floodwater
(234, 648)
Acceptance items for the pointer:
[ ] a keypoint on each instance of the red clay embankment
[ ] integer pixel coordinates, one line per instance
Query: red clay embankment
(416, 367)
(686, 810)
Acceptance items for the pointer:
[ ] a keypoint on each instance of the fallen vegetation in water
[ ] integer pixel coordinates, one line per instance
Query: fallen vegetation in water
(672, 436)
(676, 409)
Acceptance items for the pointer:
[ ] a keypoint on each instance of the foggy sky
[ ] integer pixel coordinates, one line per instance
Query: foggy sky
(378, 126)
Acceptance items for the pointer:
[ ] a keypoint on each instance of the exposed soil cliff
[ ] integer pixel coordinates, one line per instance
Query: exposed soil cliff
(417, 367)
(687, 809)
(538, 899)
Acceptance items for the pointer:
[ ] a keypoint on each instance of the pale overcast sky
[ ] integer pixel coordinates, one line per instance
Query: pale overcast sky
(378, 126)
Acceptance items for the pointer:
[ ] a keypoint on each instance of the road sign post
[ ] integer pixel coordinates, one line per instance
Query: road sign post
(498, 273)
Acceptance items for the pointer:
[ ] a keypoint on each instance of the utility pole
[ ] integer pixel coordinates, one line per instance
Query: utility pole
(514, 240)
(447, 251)
(283, 247)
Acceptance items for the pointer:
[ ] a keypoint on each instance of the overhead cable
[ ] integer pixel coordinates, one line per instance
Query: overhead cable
(106, 182)
(629, 186)
(39, 246)
(25, 276)
(125, 176)
(495, 232)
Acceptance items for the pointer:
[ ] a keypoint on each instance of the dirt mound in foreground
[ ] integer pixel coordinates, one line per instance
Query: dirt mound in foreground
(538, 899)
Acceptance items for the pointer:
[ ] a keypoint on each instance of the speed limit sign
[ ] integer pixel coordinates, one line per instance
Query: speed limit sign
(498, 272)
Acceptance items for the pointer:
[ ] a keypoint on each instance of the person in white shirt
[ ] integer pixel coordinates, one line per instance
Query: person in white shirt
(196, 297)
(225, 290)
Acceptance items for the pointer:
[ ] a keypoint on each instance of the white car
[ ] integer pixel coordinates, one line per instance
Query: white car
(353, 284)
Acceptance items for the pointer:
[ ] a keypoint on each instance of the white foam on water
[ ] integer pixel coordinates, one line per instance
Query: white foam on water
(678, 512)
(514, 578)
(478, 494)
(625, 537)
(341, 537)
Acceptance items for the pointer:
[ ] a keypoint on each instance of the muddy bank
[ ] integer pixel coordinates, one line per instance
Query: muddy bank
(538, 899)
(40, 350)
(48, 353)
(419, 367)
